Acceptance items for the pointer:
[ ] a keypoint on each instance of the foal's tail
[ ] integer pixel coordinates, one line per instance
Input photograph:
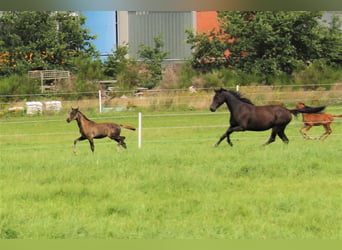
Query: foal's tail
(307, 109)
(339, 116)
(127, 127)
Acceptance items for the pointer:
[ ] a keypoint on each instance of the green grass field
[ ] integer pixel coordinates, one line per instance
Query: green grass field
(177, 186)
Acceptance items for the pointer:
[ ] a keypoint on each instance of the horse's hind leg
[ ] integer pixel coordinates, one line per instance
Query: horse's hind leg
(120, 140)
(328, 131)
(273, 136)
(282, 136)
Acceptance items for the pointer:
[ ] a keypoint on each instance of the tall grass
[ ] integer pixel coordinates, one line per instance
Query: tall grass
(177, 186)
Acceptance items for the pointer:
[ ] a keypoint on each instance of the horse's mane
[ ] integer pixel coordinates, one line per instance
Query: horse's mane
(84, 115)
(239, 96)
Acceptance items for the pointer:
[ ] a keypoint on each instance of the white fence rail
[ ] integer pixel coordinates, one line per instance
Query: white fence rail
(324, 95)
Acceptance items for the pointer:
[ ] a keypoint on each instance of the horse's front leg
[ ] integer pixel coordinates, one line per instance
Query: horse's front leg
(227, 134)
(75, 141)
(91, 142)
(221, 138)
(306, 131)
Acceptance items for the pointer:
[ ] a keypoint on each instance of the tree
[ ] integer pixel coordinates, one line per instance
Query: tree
(271, 43)
(125, 70)
(117, 62)
(153, 58)
(88, 73)
(209, 50)
(42, 40)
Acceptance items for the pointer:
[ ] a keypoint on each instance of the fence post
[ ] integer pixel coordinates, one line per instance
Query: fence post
(100, 101)
(139, 129)
(237, 88)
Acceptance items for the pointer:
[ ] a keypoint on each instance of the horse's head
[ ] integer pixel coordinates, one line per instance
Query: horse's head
(218, 99)
(73, 114)
(300, 105)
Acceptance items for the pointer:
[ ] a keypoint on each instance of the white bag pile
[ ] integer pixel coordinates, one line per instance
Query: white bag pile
(53, 106)
(34, 108)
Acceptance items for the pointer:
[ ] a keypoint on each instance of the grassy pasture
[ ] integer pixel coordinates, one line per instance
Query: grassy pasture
(177, 186)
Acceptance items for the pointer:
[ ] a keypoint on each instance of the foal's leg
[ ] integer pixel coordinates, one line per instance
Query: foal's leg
(120, 140)
(75, 141)
(306, 131)
(302, 133)
(328, 131)
(122, 143)
(91, 142)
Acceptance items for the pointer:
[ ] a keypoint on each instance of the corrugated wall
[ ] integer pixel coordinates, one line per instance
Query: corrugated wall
(145, 25)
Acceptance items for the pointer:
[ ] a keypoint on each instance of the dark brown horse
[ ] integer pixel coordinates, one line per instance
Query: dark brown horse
(244, 115)
(311, 120)
(91, 130)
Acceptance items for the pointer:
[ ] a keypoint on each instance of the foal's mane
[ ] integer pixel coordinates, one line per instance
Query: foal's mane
(84, 115)
(238, 96)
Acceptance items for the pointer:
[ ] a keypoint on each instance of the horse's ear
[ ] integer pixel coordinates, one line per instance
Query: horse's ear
(219, 90)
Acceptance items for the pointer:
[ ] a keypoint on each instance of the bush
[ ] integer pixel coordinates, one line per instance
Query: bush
(131, 76)
(319, 72)
(19, 85)
(152, 58)
(213, 79)
(187, 73)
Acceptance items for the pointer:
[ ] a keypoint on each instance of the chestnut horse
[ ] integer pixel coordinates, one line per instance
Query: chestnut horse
(319, 119)
(91, 130)
(244, 115)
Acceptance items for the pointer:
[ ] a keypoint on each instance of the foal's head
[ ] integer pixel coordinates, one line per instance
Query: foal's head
(73, 114)
(300, 105)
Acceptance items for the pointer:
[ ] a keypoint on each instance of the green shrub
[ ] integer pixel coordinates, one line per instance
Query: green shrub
(319, 72)
(187, 73)
(18, 85)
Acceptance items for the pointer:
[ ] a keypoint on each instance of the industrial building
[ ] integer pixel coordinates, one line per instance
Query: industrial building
(140, 27)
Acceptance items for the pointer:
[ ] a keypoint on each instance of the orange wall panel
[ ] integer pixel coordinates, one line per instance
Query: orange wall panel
(206, 21)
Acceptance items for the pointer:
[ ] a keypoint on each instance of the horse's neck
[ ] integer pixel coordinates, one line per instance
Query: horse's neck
(82, 120)
(232, 102)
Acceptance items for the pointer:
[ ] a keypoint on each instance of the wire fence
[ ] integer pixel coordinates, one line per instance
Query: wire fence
(146, 127)
(171, 99)
(167, 103)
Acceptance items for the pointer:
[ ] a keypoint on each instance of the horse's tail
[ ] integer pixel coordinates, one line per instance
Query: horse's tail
(307, 109)
(127, 127)
(339, 116)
